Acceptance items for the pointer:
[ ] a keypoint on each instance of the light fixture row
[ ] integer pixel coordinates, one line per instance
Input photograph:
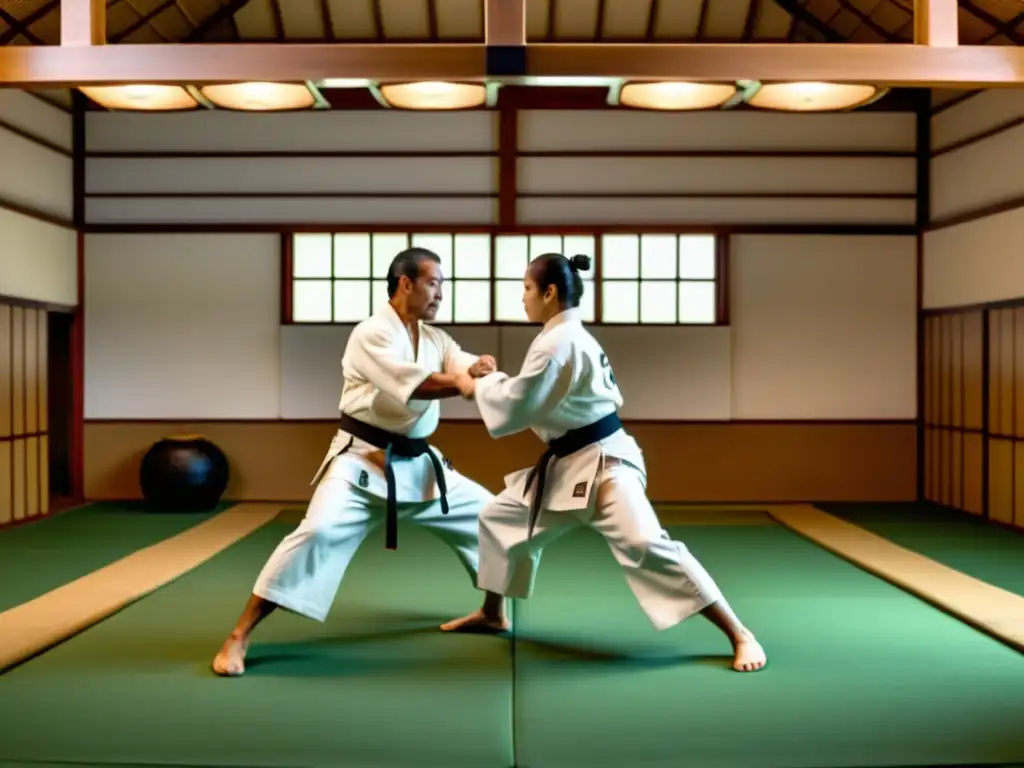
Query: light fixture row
(433, 95)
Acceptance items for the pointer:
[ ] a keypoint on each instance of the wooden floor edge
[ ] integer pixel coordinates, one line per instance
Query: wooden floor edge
(991, 609)
(49, 619)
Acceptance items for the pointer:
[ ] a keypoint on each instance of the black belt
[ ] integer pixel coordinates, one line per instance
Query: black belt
(572, 441)
(401, 447)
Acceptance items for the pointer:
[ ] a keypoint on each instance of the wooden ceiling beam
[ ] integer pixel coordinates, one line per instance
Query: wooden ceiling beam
(83, 23)
(200, 63)
(959, 67)
(912, 66)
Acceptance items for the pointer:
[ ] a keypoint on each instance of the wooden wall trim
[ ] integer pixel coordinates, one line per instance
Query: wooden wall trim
(596, 154)
(961, 309)
(711, 228)
(812, 195)
(37, 140)
(35, 213)
(974, 138)
(685, 462)
(17, 301)
(975, 214)
(924, 171)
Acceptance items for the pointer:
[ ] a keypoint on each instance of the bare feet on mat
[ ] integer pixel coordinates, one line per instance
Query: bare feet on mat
(749, 655)
(478, 622)
(230, 660)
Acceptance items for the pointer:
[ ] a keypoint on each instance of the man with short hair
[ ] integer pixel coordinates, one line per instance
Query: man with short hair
(395, 371)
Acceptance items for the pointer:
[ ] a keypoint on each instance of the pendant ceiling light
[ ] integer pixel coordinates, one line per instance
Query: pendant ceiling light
(433, 95)
(153, 98)
(259, 96)
(670, 95)
(814, 97)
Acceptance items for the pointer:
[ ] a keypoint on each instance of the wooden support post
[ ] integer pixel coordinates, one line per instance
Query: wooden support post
(936, 23)
(83, 22)
(505, 22)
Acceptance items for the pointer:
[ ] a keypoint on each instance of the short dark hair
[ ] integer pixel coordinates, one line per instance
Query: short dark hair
(407, 263)
(554, 269)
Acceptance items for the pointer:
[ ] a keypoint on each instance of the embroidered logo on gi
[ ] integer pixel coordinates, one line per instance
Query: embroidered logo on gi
(364, 479)
(580, 491)
(448, 464)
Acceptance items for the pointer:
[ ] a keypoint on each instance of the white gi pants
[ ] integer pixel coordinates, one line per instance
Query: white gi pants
(666, 579)
(305, 571)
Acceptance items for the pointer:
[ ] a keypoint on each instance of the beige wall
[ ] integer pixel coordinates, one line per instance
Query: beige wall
(977, 143)
(38, 258)
(807, 393)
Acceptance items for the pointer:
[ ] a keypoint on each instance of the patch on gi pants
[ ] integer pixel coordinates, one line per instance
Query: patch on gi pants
(364, 479)
(580, 491)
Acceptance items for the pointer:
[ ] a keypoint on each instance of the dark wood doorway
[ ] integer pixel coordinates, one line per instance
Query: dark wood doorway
(60, 403)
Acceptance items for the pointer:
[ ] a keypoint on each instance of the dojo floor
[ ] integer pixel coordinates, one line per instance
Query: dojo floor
(861, 673)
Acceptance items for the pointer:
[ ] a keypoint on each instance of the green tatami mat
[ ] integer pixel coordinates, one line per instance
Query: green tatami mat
(859, 672)
(967, 543)
(49, 553)
(378, 685)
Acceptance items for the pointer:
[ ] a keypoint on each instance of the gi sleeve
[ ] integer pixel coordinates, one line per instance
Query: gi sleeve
(374, 357)
(455, 359)
(511, 404)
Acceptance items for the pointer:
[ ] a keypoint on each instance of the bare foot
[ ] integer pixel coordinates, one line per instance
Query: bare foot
(230, 660)
(477, 621)
(749, 655)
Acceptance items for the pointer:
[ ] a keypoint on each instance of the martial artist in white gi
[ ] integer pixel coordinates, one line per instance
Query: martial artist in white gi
(593, 472)
(379, 465)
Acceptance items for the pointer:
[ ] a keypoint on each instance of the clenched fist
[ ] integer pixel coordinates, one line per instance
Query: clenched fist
(484, 365)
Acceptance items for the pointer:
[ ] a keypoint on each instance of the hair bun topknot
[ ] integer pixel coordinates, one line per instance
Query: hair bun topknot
(579, 263)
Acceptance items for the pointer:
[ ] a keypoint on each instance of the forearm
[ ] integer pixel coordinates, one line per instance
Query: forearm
(437, 386)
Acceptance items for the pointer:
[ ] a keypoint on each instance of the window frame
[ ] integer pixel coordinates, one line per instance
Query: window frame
(720, 280)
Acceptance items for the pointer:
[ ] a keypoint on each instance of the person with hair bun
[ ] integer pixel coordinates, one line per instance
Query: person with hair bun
(593, 473)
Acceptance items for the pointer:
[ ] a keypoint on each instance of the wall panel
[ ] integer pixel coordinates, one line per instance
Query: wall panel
(715, 168)
(35, 144)
(245, 212)
(24, 447)
(976, 262)
(736, 176)
(971, 177)
(39, 119)
(182, 326)
(276, 460)
(338, 167)
(219, 133)
(580, 131)
(824, 327)
(974, 393)
(37, 254)
(981, 113)
(283, 176)
(702, 211)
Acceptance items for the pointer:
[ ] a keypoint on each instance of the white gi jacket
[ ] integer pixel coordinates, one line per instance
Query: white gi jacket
(566, 382)
(380, 371)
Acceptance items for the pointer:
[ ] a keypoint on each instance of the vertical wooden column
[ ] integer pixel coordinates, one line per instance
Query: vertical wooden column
(936, 23)
(83, 22)
(504, 22)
